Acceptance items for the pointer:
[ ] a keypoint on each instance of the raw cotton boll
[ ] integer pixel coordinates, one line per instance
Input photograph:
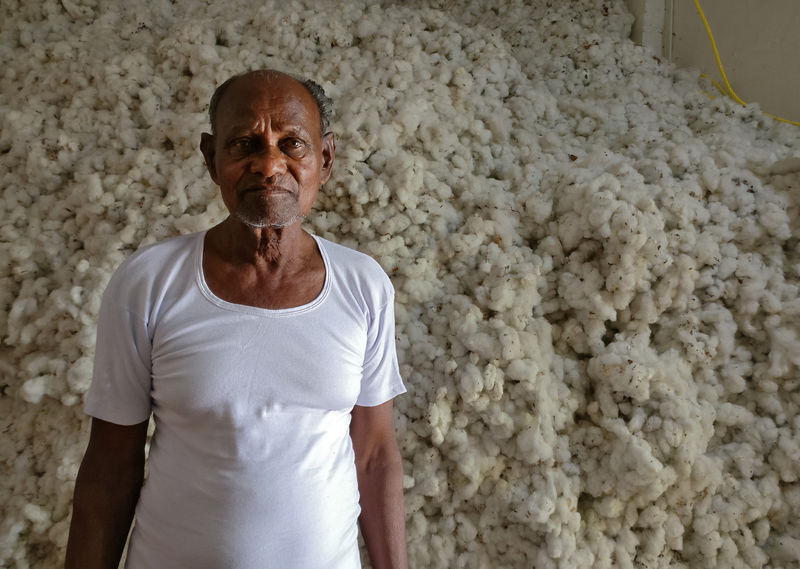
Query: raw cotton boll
(79, 375)
(600, 211)
(786, 549)
(441, 216)
(326, 220)
(532, 447)
(510, 341)
(579, 291)
(785, 457)
(754, 274)
(421, 348)
(624, 369)
(499, 289)
(574, 337)
(440, 418)
(464, 246)
(407, 179)
(38, 516)
(389, 250)
(539, 208)
(524, 371)
(35, 388)
(412, 113)
(729, 414)
(773, 217)
(420, 280)
(394, 225)
(784, 356)
(470, 382)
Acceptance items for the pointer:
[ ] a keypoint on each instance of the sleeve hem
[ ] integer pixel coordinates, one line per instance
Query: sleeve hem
(116, 417)
(382, 398)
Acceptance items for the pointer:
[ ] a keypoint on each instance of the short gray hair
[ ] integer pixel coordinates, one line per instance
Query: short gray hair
(324, 103)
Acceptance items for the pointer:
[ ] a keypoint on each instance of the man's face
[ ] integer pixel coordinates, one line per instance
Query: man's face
(268, 155)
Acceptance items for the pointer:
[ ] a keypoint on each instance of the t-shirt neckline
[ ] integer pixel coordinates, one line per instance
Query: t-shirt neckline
(256, 310)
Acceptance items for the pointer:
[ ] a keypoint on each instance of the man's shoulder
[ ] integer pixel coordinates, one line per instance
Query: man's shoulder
(154, 262)
(358, 273)
(179, 244)
(157, 254)
(351, 260)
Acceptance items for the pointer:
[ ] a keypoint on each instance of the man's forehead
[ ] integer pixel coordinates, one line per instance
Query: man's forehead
(256, 92)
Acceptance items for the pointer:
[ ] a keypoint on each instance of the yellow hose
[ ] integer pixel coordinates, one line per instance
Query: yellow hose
(728, 87)
(717, 85)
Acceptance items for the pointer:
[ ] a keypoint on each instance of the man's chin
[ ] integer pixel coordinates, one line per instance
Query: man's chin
(273, 222)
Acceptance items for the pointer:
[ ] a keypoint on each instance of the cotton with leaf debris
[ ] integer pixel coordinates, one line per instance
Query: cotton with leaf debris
(595, 266)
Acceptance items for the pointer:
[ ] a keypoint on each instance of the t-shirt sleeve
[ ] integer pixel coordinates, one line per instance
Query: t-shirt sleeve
(381, 379)
(120, 390)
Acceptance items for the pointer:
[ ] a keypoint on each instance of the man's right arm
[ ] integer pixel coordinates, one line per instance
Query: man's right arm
(106, 492)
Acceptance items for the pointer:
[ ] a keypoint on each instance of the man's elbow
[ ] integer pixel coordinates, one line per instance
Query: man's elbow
(386, 460)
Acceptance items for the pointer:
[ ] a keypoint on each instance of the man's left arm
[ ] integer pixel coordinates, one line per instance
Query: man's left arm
(380, 484)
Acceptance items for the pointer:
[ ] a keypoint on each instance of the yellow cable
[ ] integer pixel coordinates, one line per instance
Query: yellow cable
(716, 55)
(731, 92)
(717, 85)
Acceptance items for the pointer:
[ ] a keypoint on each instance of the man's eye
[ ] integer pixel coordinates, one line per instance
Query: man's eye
(242, 144)
(293, 147)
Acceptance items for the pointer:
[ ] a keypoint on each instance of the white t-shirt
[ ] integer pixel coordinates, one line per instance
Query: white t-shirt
(251, 465)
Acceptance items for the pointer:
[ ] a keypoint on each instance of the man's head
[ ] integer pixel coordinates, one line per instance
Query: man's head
(268, 151)
(324, 103)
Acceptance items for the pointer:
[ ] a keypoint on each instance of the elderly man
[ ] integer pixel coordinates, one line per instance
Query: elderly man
(266, 356)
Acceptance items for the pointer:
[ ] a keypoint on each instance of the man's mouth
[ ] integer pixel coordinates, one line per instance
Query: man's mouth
(267, 189)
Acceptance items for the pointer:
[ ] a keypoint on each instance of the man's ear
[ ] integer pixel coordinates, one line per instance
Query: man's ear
(328, 155)
(207, 148)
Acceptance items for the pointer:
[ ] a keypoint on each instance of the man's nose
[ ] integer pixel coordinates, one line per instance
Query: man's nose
(269, 162)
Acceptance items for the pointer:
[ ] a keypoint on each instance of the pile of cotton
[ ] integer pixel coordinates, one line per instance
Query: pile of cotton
(596, 265)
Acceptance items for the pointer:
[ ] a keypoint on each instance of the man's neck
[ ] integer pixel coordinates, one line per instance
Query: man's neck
(271, 246)
(263, 267)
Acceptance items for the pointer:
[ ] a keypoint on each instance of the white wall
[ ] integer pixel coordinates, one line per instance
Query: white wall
(757, 40)
(649, 24)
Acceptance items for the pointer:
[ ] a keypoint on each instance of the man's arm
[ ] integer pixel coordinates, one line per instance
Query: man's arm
(106, 492)
(380, 484)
